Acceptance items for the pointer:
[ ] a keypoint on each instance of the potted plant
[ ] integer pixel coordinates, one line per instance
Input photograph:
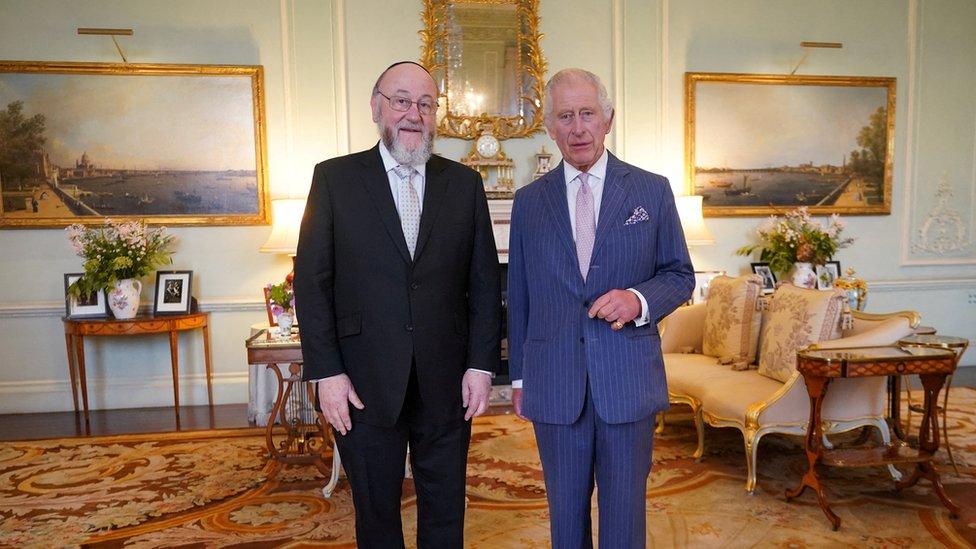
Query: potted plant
(116, 256)
(797, 241)
(282, 299)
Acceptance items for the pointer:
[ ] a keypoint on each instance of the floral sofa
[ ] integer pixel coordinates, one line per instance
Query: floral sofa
(732, 359)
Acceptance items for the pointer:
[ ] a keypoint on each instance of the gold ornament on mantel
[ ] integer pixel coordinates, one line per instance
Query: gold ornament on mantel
(855, 288)
(497, 170)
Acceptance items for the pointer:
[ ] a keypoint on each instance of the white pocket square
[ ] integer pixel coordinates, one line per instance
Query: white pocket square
(638, 216)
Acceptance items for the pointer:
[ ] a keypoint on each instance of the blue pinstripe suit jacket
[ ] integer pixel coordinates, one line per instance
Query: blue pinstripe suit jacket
(553, 346)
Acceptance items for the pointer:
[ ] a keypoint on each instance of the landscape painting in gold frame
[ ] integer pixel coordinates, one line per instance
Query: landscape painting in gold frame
(168, 144)
(760, 144)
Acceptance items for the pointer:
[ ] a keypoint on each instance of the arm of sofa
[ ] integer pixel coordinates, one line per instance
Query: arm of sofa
(791, 403)
(682, 329)
(868, 321)
(879, 330)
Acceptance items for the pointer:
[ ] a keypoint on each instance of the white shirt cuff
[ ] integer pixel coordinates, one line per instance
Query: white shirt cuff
(486, 372)
(642, 319)
(516, 384)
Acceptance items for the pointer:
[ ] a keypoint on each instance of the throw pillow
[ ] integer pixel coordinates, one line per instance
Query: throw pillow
(732, 319)
(796, 318)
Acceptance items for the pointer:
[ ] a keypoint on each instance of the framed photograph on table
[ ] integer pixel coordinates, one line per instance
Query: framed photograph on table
(768, 277)
(93, 305)
(172, 292)
(702, 281)
(827, 274)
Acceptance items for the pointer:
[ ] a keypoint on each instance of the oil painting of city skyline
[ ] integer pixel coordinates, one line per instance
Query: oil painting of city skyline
(764, 144)
(173, 144)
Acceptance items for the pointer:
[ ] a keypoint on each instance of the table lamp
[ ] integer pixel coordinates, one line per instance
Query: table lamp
(286, 218)
(692, 221)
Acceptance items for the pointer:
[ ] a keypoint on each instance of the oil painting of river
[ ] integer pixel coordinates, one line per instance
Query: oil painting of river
(173, 144)
(763, 144)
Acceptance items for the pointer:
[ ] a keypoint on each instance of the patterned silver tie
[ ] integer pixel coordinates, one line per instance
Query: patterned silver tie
(585, 224)
(409, 202)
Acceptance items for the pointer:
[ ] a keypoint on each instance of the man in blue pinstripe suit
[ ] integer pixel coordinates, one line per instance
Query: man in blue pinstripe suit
(596, 257)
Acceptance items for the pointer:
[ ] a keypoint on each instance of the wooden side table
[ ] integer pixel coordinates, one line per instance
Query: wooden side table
(956, 344)
(894, 391)
(819, 367)
(76, 329)
(307, 436)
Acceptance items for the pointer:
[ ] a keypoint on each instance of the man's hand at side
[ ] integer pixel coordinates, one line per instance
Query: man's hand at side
(475, 389)
(335, 394)
(517, 402)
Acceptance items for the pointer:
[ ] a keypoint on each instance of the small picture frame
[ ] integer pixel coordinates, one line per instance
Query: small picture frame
(827, 274)
(173, 293)
(267, 307)
(768, 276)
(702, 281)
(543, 163)
(92, 306)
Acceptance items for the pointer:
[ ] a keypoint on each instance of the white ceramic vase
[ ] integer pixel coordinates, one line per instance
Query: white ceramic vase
(285, 321)
(123, 299)
(804, 276)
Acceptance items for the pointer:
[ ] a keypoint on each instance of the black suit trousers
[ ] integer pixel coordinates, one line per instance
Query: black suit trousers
(374, 457)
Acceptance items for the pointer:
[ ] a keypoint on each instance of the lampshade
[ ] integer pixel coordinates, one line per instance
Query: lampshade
(690, 212)
(286, 221)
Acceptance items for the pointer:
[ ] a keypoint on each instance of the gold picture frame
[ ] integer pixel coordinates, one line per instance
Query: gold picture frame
(530, 69)
(759, 144)
(164, 143)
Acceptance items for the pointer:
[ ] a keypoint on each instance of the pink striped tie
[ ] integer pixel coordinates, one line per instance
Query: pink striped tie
(585, 225)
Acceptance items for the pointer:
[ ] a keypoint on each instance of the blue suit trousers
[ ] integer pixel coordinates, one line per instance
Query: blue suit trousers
(618, 457)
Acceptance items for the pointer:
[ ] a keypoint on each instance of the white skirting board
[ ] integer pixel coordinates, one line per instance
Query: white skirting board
(54, 395)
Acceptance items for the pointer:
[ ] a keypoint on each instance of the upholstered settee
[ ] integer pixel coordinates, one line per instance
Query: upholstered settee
(728, 391)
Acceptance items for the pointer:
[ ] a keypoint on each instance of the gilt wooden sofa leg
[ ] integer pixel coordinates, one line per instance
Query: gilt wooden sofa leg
(751, 440)
(699, 454)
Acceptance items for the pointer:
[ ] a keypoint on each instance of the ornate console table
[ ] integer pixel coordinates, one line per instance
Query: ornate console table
(819, 367)
(76, 329)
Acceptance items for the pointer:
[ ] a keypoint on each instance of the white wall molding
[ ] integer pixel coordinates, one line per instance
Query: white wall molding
(619, 97)
(920, 284)
(910, 194)
(54, 395)
(340, 77)
(286, 9)
(56, 308)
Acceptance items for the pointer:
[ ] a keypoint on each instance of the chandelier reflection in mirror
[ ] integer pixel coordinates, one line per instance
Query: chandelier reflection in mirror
(486, 60)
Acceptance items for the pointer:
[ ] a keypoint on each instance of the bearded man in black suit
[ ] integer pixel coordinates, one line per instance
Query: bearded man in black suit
(397, 288)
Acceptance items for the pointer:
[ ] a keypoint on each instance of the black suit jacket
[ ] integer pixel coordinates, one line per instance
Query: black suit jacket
(368, 311)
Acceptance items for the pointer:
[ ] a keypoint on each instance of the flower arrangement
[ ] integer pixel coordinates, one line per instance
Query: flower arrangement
(797, 238)
(117, 251)
(282, 298)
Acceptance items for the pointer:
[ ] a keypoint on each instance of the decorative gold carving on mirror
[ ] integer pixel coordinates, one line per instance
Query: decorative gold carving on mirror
(504, 87)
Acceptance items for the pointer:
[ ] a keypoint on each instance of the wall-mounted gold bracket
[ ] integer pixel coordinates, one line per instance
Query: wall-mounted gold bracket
(807, 46)
(109, 32)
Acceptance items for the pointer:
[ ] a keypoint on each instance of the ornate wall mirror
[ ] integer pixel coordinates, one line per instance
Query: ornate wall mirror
(486, 60)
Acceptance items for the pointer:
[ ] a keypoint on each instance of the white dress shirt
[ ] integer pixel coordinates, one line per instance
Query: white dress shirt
(597, 174)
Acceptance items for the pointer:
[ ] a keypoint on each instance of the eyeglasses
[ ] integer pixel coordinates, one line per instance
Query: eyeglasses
(425, 105)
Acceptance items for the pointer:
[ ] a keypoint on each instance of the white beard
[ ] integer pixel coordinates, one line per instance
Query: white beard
(400, 152)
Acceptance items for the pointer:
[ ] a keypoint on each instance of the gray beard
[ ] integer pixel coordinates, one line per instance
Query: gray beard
(400, 152)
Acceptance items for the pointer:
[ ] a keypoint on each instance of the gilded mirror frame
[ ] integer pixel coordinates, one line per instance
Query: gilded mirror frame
(435, 41)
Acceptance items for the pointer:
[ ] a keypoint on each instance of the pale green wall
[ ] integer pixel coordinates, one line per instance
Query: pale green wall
(320, 62)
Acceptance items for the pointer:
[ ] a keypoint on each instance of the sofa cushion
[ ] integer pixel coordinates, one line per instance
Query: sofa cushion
(729, 396)
(796, 318)
(732, 320)
(689, 373)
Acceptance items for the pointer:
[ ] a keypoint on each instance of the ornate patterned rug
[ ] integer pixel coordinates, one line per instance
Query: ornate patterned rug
(210, 489)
